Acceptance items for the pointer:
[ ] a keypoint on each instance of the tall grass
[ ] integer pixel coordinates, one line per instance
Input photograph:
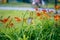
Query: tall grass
(45, 29)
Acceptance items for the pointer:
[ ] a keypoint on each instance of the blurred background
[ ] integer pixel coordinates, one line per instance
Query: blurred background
(26, 3)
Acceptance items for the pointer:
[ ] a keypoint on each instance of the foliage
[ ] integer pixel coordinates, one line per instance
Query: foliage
(41, 27)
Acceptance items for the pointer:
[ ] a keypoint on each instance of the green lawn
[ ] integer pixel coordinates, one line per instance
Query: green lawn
(10, 13)
(24, 5)
(16, 4)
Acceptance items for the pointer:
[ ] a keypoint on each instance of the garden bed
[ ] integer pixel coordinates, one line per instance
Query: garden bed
(29, 25)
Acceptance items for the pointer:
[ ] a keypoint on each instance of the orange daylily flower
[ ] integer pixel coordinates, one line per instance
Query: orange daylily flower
(56, 17)
(59, 16)
(38, 14)
(11, 24)
(57, 7)
(1, 21)
(48, 16)
(5, 20)
(17, 19)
